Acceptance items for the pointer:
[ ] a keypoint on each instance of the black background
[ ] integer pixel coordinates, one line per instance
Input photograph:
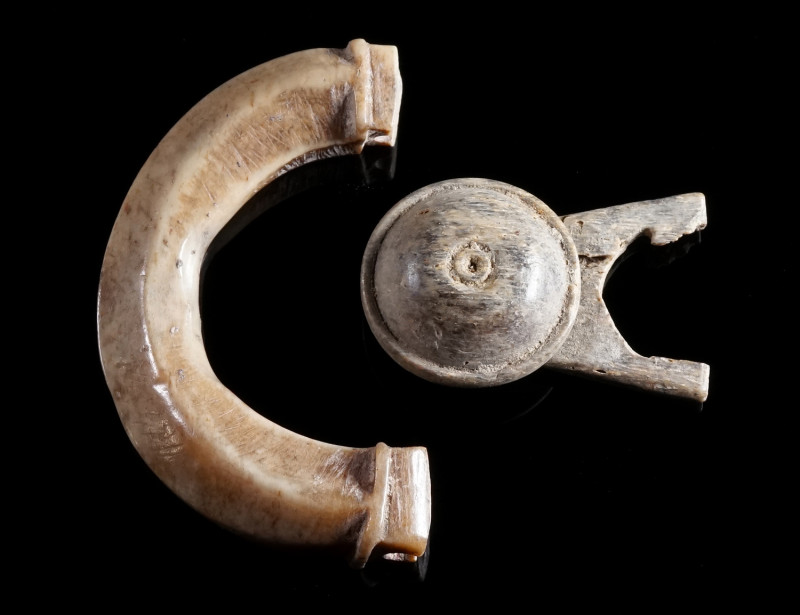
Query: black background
(553, 488)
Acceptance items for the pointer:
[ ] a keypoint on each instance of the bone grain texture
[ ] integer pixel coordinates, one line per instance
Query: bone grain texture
(595, 346)
(223, 458)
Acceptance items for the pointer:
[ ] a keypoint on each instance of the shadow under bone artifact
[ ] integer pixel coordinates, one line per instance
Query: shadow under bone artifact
(249, 474)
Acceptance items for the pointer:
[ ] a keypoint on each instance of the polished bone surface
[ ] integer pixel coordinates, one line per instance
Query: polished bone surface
(222, 457)
(470, 282)
(473, 282)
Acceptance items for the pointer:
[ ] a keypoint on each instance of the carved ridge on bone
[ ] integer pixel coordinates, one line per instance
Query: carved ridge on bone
(220, 456)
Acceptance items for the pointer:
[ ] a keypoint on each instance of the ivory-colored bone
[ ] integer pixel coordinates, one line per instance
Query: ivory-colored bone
(474, 282)
(470, 282)
(595, 346)
(219, 455)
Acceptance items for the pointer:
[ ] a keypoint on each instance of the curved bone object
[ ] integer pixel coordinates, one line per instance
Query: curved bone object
(220, 456)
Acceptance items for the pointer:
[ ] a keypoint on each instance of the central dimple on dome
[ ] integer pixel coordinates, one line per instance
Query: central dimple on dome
(473, 264)
(470, 282)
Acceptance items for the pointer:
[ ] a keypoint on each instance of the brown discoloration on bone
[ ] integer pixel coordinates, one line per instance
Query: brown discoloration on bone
(223, 458)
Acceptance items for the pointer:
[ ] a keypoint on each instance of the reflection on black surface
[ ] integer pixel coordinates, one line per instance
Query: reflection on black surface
(373, 165)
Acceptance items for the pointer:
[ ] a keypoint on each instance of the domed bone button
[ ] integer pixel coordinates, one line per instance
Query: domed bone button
(474, 282)
(471, 283)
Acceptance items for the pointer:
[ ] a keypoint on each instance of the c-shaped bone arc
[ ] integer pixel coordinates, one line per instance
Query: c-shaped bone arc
(219, 455)
(595, 346)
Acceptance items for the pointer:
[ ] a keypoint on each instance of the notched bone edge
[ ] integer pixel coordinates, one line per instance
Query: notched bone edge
(595, 347)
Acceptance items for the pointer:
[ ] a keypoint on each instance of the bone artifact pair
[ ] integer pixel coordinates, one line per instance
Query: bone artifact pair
(468, 282)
